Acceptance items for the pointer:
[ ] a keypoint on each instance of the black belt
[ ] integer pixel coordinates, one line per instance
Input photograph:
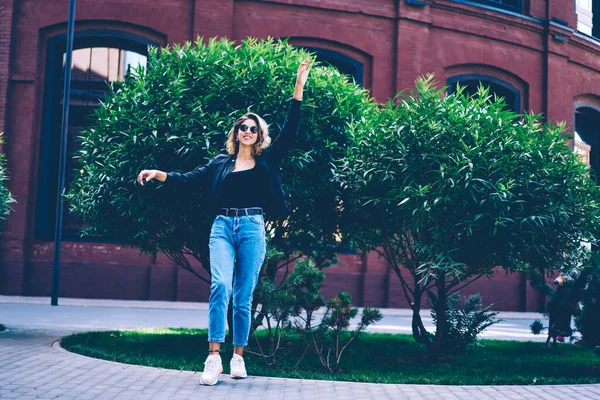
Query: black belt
(236, 212)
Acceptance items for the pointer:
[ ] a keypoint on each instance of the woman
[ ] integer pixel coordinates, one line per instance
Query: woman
(242, 184)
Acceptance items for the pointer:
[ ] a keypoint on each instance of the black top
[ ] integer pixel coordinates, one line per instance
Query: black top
(210, 177)
(244, 189)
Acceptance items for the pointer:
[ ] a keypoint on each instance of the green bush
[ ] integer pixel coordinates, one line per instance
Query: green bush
(5, 197)
(174, 116)
(465, 321)
(537, 326)
(449, 187)
(331, 337)
(281, 302)
(288, 310)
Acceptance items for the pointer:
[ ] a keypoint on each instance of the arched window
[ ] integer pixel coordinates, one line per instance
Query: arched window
(345, 64)
(98, 57)
(587, 137)
(511, 95)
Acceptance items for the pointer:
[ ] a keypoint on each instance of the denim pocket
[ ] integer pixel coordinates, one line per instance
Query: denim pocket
(257, 219)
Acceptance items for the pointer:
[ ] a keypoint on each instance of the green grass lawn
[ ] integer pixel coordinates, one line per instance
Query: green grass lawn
(382, 358)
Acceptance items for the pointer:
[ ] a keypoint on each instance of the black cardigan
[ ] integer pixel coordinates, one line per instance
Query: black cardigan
(210, 176)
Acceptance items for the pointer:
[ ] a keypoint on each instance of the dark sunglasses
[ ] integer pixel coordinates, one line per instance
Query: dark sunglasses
(244, 128)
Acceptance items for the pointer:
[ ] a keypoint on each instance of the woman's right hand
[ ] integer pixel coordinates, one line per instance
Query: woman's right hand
(149, 174)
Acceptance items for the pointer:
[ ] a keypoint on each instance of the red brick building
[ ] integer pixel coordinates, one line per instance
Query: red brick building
(542, 55)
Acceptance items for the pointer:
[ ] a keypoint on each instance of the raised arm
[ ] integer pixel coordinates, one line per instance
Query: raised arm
(289, 132)
(301, 78)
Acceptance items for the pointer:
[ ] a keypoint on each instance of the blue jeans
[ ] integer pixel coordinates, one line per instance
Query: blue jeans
(236, 244)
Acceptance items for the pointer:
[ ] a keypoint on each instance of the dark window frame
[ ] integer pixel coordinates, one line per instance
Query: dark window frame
(47, 179)
(595, 109)
(596, 19)
(589, 111)
(358, 66)
(453, 80)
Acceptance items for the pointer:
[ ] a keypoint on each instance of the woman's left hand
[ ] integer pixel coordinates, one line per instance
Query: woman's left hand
(303, 71)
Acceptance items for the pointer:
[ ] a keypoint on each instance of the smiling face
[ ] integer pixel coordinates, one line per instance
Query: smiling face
(247, 132)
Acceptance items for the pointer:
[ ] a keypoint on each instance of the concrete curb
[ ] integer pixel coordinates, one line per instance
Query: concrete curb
(57, 346)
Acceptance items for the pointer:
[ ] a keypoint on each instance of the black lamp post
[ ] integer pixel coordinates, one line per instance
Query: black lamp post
(63, 156)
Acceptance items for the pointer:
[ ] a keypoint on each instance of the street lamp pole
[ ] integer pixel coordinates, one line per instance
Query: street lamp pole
(63, 155)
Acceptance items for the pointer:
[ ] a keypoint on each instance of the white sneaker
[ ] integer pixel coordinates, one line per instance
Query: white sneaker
(212, 368)
(237, 367)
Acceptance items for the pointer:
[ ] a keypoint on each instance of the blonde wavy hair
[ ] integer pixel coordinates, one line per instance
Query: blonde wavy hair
(262, 142)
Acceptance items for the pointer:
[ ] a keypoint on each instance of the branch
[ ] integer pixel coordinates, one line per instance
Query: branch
(428, 286)
(286, 265)
(308, 346)
(262, 353)
(392, 260)
(180, 260)
(463, 286)
(359, 330)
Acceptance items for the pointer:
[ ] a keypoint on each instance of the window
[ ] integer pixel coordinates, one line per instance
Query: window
(346, 65)
(98, 58)
(92, 68)
(511, 95)
(510, 5)
(584, 16)
(588, 17)
(587, 137)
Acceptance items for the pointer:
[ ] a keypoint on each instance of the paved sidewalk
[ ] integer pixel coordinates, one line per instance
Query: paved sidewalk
(33, 366)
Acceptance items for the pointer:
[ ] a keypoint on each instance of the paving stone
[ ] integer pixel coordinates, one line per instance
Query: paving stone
(33, 368)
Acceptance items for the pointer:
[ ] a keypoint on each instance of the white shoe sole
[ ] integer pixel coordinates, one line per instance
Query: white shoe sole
(210, 383)
(236, 376)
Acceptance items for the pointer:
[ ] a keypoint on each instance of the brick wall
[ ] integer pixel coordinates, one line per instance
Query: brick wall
(537, 8)
(395, 41)
(6, 19)
(564, 10)
(213, 18)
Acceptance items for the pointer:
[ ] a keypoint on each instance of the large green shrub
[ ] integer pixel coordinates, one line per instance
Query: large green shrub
(5, 197)
(450, 187)
(174, 116)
